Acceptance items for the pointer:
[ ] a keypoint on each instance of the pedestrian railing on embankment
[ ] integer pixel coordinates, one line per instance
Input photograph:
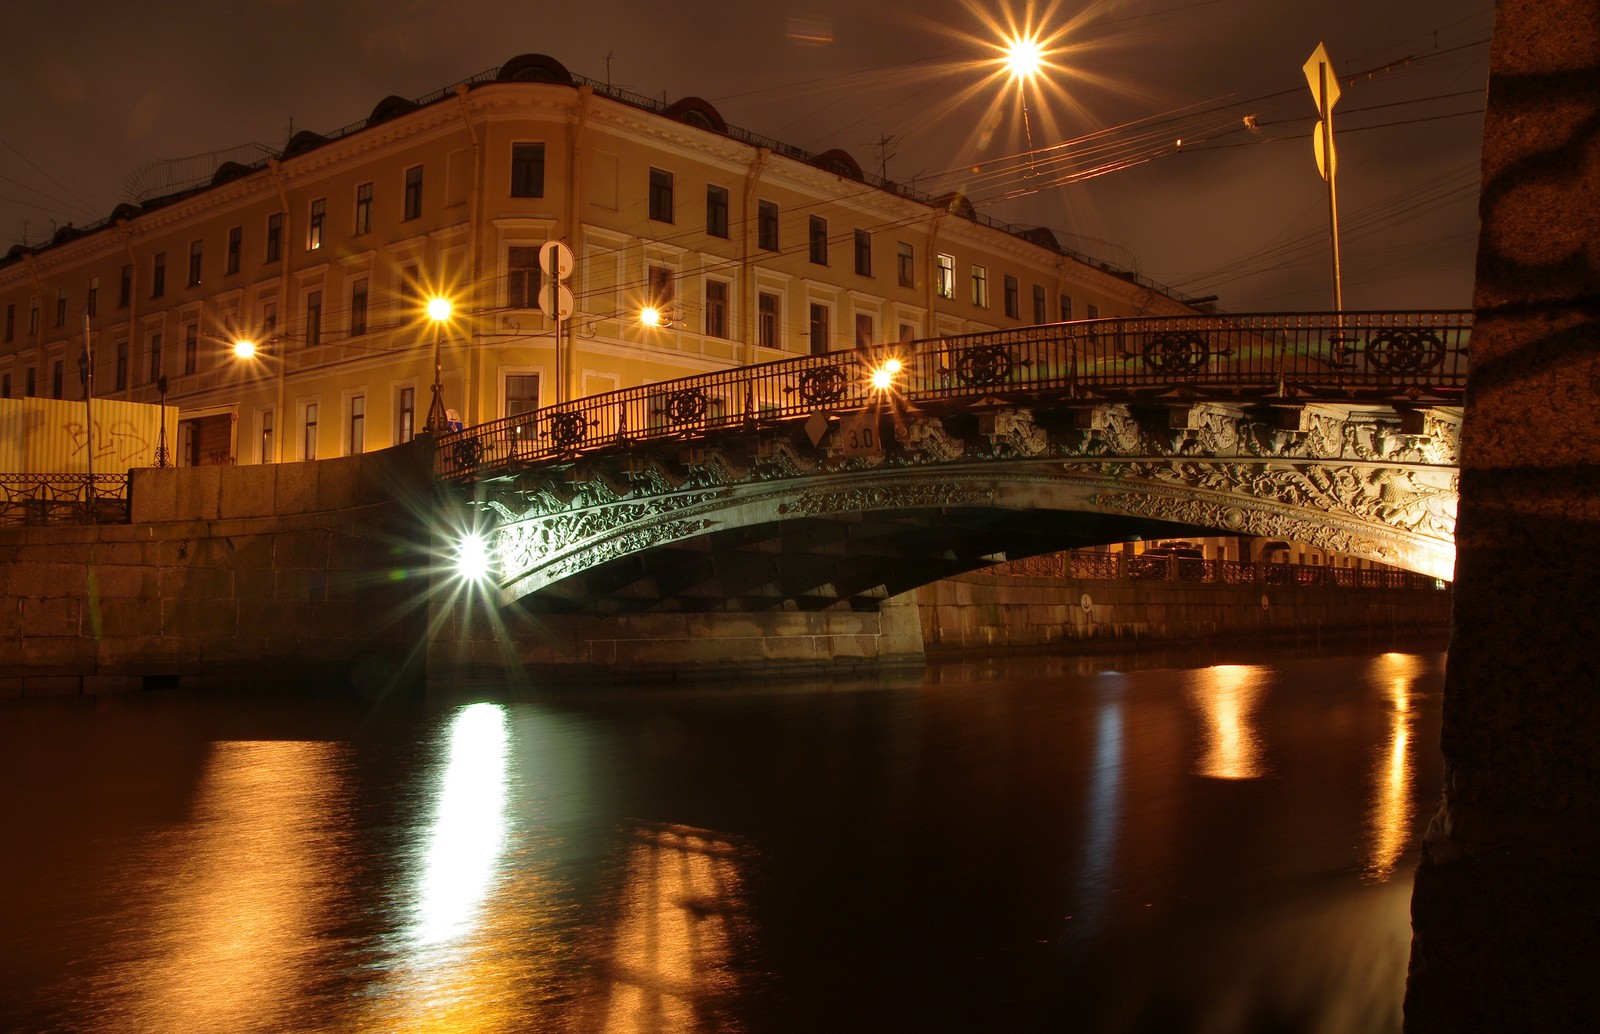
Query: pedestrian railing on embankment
(35, 499)
(1096, 566)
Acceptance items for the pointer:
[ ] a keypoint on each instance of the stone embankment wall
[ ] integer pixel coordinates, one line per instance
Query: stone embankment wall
(225, 574)
(996, 611)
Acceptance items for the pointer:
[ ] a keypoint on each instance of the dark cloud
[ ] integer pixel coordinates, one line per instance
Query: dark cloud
(900, 85)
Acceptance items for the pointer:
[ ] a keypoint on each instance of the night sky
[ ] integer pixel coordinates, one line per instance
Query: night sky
(98, 94)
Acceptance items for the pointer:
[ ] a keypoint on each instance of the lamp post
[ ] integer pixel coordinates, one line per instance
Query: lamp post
(438, 312)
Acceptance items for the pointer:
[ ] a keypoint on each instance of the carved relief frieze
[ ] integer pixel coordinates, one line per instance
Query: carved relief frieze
(819, 501)
(1392, 496)
(925, 440)
(1268, 522)
(1012, 432)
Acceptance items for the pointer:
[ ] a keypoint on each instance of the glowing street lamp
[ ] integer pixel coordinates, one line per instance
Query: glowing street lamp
(883, 377)
(1024, 57)
(438, 311)
(244, 348)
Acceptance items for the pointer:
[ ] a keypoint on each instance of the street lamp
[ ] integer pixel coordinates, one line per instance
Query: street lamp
(438, 312)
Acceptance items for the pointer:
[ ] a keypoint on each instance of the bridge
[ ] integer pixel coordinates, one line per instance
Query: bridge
(848, 477)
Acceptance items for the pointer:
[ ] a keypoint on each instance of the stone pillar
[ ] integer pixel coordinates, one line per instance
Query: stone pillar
(1506, 908)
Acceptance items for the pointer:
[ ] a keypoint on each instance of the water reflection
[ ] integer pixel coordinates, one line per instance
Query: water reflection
(458, 958)
(678, 928)
(1105, 806)
(1389, 820)
(468, 827)
(238, 894)
(1226, 696)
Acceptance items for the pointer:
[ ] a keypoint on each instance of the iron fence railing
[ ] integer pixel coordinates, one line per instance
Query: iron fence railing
(63, 499)
(1093, 565)
(1415, 357)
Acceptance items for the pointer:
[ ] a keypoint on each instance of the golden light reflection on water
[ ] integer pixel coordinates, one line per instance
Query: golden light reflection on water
(230, 942)
(670, 965)
(1226, 695)
(1389, 818)
(459, 961)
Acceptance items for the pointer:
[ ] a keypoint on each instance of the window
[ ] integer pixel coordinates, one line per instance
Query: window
(313, 317)
(235, 242)
(819, 328)
(863, 253)
(661, 195)
(717, 308)
(767, 324)
(819, 240)
(194, 263)
(1013, 297)
(413, 200)
(358, 307)
(30, 379)
(91, 301)
(363, 209)
(1066, 308)
(358, 424)
(522, 393)
(155, 358)
(1039, 308)
(308, 446)
(191, 348)
(717, 211)
(61, 307)
(5, 385)
(406, 415)
(125, 287)
(274, 236)
(980, 287)
(33, 316)
(527, 170)
(945, 276)
(314, 224)
(864, 330)
(661, 293)
(266, 436)
(767, 225)
(908, 333)
(122, 366)
(908, 265)
(58, 379)
(522, 277)
(269, 318)
(11, 321)
(158, 275)
(1093, 311)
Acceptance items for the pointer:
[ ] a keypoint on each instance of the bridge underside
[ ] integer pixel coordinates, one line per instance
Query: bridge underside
(812, 563)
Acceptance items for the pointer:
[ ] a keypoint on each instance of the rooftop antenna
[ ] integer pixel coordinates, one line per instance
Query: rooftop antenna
(608, 68)
(884, 154)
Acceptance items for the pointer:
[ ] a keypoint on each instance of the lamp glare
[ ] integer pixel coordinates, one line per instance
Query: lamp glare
(438, 309)
(472, 558)
(244, 349)
(650, 316)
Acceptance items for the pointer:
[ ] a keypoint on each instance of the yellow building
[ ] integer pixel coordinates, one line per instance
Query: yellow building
(326, 255)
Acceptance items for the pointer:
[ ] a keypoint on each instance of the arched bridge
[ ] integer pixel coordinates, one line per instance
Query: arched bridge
(853, 476)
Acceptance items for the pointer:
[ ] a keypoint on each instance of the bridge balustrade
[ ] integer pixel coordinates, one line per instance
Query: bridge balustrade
(31, 499)
(1418, 358)
(1093, 565)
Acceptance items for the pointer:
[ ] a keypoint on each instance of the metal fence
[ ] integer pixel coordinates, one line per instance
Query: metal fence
(1089, 565)
(28, 499)
(1407, 357)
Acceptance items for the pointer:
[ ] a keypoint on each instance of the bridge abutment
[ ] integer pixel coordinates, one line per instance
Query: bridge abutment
(1506, 908)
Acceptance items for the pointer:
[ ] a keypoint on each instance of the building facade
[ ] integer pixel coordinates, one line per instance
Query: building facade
(744, 250)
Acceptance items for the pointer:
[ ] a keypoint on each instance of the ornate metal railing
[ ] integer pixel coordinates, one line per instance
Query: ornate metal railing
(63, 499)
(1091, 565)
(1402, 357)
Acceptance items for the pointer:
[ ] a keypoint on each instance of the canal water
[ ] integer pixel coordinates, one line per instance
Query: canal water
(1029, 844)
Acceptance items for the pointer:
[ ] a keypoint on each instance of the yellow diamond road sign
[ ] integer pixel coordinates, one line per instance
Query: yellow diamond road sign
(1316, 76)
